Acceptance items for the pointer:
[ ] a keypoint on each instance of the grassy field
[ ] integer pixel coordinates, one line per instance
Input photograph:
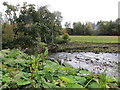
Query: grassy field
(95, 39)
(90, 44)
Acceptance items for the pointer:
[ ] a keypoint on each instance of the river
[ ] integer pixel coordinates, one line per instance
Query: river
(93, 62)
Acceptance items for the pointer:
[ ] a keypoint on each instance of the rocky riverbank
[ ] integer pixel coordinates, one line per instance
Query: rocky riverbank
(90, 61)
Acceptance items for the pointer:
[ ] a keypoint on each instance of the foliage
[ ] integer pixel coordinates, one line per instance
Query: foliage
(60, 40)
(1, 30)
(63, 39)
(66, 37)
(88, 28)
(78, 28)
(30, 24)
(109, 28)
(27, 71)
(7, 35)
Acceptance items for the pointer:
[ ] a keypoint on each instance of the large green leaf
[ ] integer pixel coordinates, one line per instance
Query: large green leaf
(23, 82)
(66, 79)
(84, 72)
(6, 79)
(14, 53)
(4, 86)
(81, 80)
(10, 61)
(67, 65)
(49, 85)
(93, 85)
(49, 69)
(46, 52)
(110, 79)
(72, 85)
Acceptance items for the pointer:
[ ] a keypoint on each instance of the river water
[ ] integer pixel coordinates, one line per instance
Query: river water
(96, 63)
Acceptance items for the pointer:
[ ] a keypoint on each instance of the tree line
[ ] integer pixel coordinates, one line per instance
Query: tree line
(100, 28)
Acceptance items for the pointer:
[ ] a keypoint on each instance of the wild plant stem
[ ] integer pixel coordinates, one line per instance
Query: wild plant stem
(88, 83)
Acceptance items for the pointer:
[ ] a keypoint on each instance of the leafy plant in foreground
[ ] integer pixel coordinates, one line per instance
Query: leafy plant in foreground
(20, 70)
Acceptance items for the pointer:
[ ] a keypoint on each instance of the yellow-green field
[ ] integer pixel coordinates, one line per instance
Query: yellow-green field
(95, 39)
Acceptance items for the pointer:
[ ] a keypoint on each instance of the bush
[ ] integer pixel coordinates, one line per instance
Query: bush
(65, 36)
(64, 39)
(59, 40)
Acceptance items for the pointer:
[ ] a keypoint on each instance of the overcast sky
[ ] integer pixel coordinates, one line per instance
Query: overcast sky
(77, 10)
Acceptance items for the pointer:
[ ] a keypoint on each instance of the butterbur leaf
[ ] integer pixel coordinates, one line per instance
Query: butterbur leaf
(102, 84)
(110, 79)
(4, 86)
(20, 61)
(5, 51)
(65, 79)
(49, 85)
(23, 82)
(26, 74)
(46, 52)
(84, 72)
(71, 85)
(48, 69)
(67, 65)
(10, 62)
(18, 75)
(6, 79)
(80, 80)
(10, 69)
(14, 53)
(93, 85)
(1, 56)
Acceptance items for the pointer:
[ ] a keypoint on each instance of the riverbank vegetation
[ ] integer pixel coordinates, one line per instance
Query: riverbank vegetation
(90, 44)
(30, 34)
(20, 70)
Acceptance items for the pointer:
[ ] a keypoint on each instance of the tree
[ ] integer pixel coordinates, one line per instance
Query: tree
(33, 24)
(11, 14)
(108, 28)
(68, 28)
(88, 28)
(78, 28)
(50, 24)
(0, 30)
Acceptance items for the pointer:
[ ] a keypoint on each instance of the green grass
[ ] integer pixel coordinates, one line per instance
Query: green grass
(95, 39)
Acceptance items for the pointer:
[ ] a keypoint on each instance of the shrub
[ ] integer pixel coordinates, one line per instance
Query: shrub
(65, 36)
(59, 40)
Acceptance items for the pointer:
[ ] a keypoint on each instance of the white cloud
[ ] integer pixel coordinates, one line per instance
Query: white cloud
(78, 10)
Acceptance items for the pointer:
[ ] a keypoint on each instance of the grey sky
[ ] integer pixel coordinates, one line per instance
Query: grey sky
(77, 10)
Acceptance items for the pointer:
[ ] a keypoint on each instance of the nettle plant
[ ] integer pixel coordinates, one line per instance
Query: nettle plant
(20, 70)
